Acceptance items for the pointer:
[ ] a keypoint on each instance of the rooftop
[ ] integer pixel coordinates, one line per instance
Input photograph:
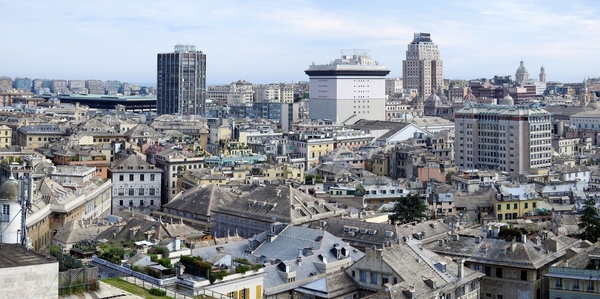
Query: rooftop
(14, 255)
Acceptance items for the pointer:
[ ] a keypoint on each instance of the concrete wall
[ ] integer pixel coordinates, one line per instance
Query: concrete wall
(30, 282)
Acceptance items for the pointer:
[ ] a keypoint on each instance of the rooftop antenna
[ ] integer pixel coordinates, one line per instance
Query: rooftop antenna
(26, 191)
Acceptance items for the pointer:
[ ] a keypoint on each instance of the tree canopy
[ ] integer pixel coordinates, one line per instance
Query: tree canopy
(409, 208)
(589, 221)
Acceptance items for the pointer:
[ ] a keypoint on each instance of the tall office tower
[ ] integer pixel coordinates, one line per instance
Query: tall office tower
(423, 69)
(348, 89)
(181, 81)
(516, 139)
(542, 74)
(521, 74)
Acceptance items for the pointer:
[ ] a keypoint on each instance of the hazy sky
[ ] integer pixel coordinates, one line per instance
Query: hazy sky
(275, 41)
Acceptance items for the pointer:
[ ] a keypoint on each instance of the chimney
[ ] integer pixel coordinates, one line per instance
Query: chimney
(410, 292)
(523, 239)
(461, 268)
(431, 282)
(513, 246)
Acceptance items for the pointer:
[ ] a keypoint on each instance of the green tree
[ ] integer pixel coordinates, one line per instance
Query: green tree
(589, 221)
(409, 208)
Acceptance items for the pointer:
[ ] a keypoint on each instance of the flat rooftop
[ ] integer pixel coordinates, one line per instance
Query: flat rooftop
(14, 255)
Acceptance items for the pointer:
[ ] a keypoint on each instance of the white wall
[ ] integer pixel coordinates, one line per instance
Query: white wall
(31, 282)
(339, 97)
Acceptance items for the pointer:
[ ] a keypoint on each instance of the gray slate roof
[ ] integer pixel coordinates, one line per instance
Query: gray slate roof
(201, 199)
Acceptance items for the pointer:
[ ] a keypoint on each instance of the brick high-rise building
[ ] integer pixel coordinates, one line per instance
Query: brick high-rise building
(515, 139)
(181, 81)
(423, 69)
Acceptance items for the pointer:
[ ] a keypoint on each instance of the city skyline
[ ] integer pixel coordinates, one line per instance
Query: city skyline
(270, 42)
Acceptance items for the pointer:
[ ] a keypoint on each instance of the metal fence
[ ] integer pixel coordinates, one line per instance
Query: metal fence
(76, 281)
(190, 294)
(130, 272)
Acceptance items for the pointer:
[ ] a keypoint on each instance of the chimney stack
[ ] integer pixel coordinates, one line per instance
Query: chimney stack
(461, 268)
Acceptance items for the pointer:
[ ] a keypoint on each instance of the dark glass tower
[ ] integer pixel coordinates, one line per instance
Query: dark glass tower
(181, 81)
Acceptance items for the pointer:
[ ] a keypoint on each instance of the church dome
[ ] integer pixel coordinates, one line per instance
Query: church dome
(416, 101)
(469, 97)
(507, 100)
(9, 190)
(522, 69)
(593, 102)
(433, 100)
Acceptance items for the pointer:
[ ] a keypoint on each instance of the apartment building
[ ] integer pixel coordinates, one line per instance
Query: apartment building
(137, 185)
(39, 135)
(515, 139)
(172, 162)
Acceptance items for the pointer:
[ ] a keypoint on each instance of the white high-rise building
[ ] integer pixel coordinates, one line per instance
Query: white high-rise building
(348, 89)
(515, 139)
(423, 69)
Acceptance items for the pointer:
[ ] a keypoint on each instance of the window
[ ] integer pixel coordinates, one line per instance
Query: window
(533, 204)
(526, 205)
(141, 177)
(558, 283)
(499, 272)
(131, 192)
(151, 191)
(373, 278)
(500, 217)
(384, 279)
(523, 275)
(516, 206)
(152, 176)
(488, 271)
(508, 206)
(488, 295)
(121, 202)
(5, 213)
(131, 177)
(121, 191)
(590, 287)
(363, 276)
(121, 177)
(152, 202)
(499, 297)
(499, 207)
(575, 285)
(141, 191)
